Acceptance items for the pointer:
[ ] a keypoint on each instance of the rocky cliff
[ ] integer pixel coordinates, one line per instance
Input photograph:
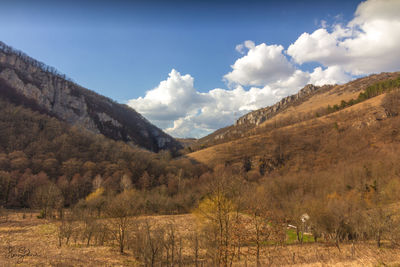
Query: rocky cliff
(259, 116)
(27, 81)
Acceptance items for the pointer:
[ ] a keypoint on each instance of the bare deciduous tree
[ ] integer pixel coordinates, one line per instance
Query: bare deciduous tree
(120, 212)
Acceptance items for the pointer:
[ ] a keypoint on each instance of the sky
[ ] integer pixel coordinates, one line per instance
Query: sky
(191, 67)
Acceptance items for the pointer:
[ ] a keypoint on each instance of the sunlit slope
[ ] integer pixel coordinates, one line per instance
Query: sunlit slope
(301, 136)
(304, 105)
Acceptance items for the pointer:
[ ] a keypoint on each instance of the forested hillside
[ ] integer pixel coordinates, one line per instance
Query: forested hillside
(29, 82)
(38, 152)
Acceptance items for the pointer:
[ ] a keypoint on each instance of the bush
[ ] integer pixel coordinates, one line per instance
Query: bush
(391, 103)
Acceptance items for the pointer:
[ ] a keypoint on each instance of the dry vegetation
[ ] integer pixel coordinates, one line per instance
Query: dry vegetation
(302, 110)
(308, 191)
(309, 120)
(28, 241)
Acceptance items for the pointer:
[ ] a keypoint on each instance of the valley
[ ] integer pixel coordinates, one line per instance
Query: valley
(312, 180)
(30, 241)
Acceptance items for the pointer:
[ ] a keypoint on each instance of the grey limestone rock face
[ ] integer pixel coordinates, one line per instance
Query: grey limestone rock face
(53, 96)
(259, 116)
(105, 118)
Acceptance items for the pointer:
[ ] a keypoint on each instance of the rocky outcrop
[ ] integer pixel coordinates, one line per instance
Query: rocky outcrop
(59, 96)
(259, 116)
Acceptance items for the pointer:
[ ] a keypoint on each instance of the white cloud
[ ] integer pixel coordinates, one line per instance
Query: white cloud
(240, 48)
(367, 44)
(225, 106)
(181, 111)
(330, 75)
(263, 64)
(177, 107)
(377, 9)
(319, 46)
(169, 100)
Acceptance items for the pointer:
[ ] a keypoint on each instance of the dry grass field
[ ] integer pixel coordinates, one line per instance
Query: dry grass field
(28, 241)
(357, 116)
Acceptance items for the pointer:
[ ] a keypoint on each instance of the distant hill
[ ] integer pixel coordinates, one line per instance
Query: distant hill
(309, 100)
(25, 81)
(329, 124)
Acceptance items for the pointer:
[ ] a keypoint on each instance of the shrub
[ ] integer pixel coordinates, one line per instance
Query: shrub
(391, 103)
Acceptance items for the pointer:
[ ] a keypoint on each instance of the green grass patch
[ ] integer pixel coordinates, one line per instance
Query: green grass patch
(291, 237)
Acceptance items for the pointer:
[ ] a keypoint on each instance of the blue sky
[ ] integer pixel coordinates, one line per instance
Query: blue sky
(123, 49)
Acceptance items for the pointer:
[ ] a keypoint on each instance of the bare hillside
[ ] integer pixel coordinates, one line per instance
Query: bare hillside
(307, 129)
(310, 101)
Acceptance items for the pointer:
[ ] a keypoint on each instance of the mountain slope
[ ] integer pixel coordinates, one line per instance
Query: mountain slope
(24, 80)
(321, 130)
(308, 102)
(257, 117)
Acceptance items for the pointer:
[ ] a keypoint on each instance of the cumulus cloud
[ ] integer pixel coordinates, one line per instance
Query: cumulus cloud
(331, 75)
(224, 108)
(177, 107)
(262, 64)
(367, 44)
(170, 100)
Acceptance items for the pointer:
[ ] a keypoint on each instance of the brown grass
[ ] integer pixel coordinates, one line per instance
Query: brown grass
(316, 103)
(25, 232)
(357, 116)
(19, 234)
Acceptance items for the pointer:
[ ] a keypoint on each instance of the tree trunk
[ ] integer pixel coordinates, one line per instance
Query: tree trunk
(298, 234)
(337, 242)
(258, 247)
(378, 240)
(121, 240)
(196, 252)
(88, 239)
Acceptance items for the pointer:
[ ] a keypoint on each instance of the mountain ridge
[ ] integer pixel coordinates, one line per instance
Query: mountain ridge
(258, 116)
(286, 108)
(51, 92)
(355, 107)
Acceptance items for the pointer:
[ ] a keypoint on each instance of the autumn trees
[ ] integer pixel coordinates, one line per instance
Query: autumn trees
(34, 144)
(234, 214)
(120, 212)
(236, 219)
(330, 181)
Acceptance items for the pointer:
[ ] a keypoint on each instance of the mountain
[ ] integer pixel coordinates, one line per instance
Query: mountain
(257, 117)
(26, 81)
(320, 126)
(309, 100)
